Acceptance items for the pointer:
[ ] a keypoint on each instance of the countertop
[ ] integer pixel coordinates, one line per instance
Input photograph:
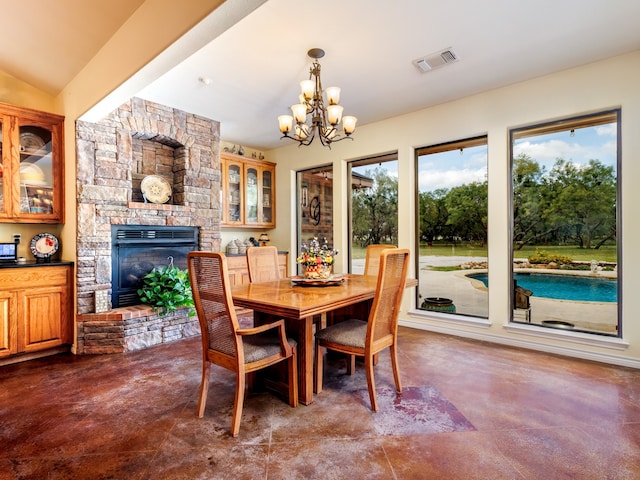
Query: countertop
(35, 263)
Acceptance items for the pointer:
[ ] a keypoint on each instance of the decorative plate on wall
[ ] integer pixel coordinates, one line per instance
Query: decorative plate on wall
(44, 245)
(155, 189)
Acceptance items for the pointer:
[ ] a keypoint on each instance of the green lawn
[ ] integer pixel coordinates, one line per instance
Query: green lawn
(603, 254)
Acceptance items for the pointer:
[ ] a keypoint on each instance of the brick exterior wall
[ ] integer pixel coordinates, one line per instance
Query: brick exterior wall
(113, 156)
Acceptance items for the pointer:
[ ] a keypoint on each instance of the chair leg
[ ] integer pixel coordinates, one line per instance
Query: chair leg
(292, 364)
(204, 387)
(250, 382)
(351, 364)
(238, 403)
(317, 387)
(396, 369)
(371, 383)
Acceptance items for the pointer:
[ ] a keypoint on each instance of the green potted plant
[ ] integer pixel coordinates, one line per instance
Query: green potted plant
(167, 289)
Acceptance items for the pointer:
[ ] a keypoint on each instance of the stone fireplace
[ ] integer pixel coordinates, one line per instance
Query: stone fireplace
(138, 249)
(140, 138)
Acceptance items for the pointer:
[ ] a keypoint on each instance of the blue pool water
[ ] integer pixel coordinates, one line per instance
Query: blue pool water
(564, 287)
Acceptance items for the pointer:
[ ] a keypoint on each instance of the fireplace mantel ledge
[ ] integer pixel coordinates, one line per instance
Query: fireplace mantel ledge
(159, 206)
(118, 314)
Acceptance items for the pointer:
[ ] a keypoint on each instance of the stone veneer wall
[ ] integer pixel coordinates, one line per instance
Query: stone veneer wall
(110, 164)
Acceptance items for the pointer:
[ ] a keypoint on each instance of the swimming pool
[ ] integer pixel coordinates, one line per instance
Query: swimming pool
(564, 287)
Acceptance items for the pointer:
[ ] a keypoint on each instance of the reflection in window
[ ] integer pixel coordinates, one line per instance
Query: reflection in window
(565, 228)
(452, 227)
(315, 205)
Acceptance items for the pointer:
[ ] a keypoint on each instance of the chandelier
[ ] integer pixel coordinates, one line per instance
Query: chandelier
(311, 117)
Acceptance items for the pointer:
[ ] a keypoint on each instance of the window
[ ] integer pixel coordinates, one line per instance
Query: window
(373, 206)
(565, 224)
(452, 227)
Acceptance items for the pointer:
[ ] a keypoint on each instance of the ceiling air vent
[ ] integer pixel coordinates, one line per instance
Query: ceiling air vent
(436, 60)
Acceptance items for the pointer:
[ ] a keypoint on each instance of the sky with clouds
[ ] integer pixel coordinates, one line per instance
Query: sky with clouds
(454, 168)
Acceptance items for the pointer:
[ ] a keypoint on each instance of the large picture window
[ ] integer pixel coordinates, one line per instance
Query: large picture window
(565, 224)
(452, 227)
(373, 212)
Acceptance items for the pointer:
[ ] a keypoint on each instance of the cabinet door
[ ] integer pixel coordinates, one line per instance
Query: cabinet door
(252, 195)
(8, 341)
(37, 171)
(44, 312)
(268, 208)
(32, 166)
(233, 197)
(5, 165)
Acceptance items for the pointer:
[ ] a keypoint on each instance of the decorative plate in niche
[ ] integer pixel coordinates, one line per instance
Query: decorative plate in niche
(155, 189)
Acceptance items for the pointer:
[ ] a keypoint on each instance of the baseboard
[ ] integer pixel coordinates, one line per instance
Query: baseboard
(24, 357)
(608, 358)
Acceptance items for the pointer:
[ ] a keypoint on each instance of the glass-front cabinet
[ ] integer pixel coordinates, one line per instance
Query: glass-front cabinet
(31, 171)
(251, 214)
(248, 192)
(267, 196)
(233, 197)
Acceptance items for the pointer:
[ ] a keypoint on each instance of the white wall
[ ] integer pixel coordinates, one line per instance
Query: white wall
(594, 87)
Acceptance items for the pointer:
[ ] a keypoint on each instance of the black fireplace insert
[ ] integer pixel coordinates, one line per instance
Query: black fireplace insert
(136, 250)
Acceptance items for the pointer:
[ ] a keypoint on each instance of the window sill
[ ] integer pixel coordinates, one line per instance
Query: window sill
(593, 340)
(451, 318)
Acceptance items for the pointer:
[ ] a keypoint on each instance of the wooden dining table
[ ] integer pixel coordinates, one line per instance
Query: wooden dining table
(298, 304)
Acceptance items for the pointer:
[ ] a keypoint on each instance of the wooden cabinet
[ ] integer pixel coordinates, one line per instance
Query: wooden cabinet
(239, 272)
(31, 166)
(248, 192)
(35, 309)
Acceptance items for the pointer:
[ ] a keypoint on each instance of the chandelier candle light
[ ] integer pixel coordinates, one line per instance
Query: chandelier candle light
(311, 116)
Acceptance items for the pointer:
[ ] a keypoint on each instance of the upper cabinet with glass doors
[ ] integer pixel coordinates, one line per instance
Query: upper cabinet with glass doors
(31, 170)
(248, 192)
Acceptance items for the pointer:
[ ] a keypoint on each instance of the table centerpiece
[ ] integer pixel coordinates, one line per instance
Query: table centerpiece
(316, 260)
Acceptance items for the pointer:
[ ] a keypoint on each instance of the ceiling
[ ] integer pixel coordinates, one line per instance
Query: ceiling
(46, 43)
(252, 70)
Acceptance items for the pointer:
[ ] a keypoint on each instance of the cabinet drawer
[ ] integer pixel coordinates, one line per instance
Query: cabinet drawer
(28, 277)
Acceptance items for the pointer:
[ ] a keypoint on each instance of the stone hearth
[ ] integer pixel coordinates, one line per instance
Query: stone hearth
(140, 138)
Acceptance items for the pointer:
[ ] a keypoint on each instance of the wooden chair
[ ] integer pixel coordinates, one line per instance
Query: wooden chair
(224, 343)
(262, 263)
(372, 258)
(366, 339)
(371, 267)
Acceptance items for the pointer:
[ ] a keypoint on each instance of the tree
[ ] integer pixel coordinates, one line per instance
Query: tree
(468, 211)
(574, 203)
(584, 201)
(433, 215)
(531, 197)
(375, 210)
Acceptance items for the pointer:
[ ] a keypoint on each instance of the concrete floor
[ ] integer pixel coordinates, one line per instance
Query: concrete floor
(469, 410)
